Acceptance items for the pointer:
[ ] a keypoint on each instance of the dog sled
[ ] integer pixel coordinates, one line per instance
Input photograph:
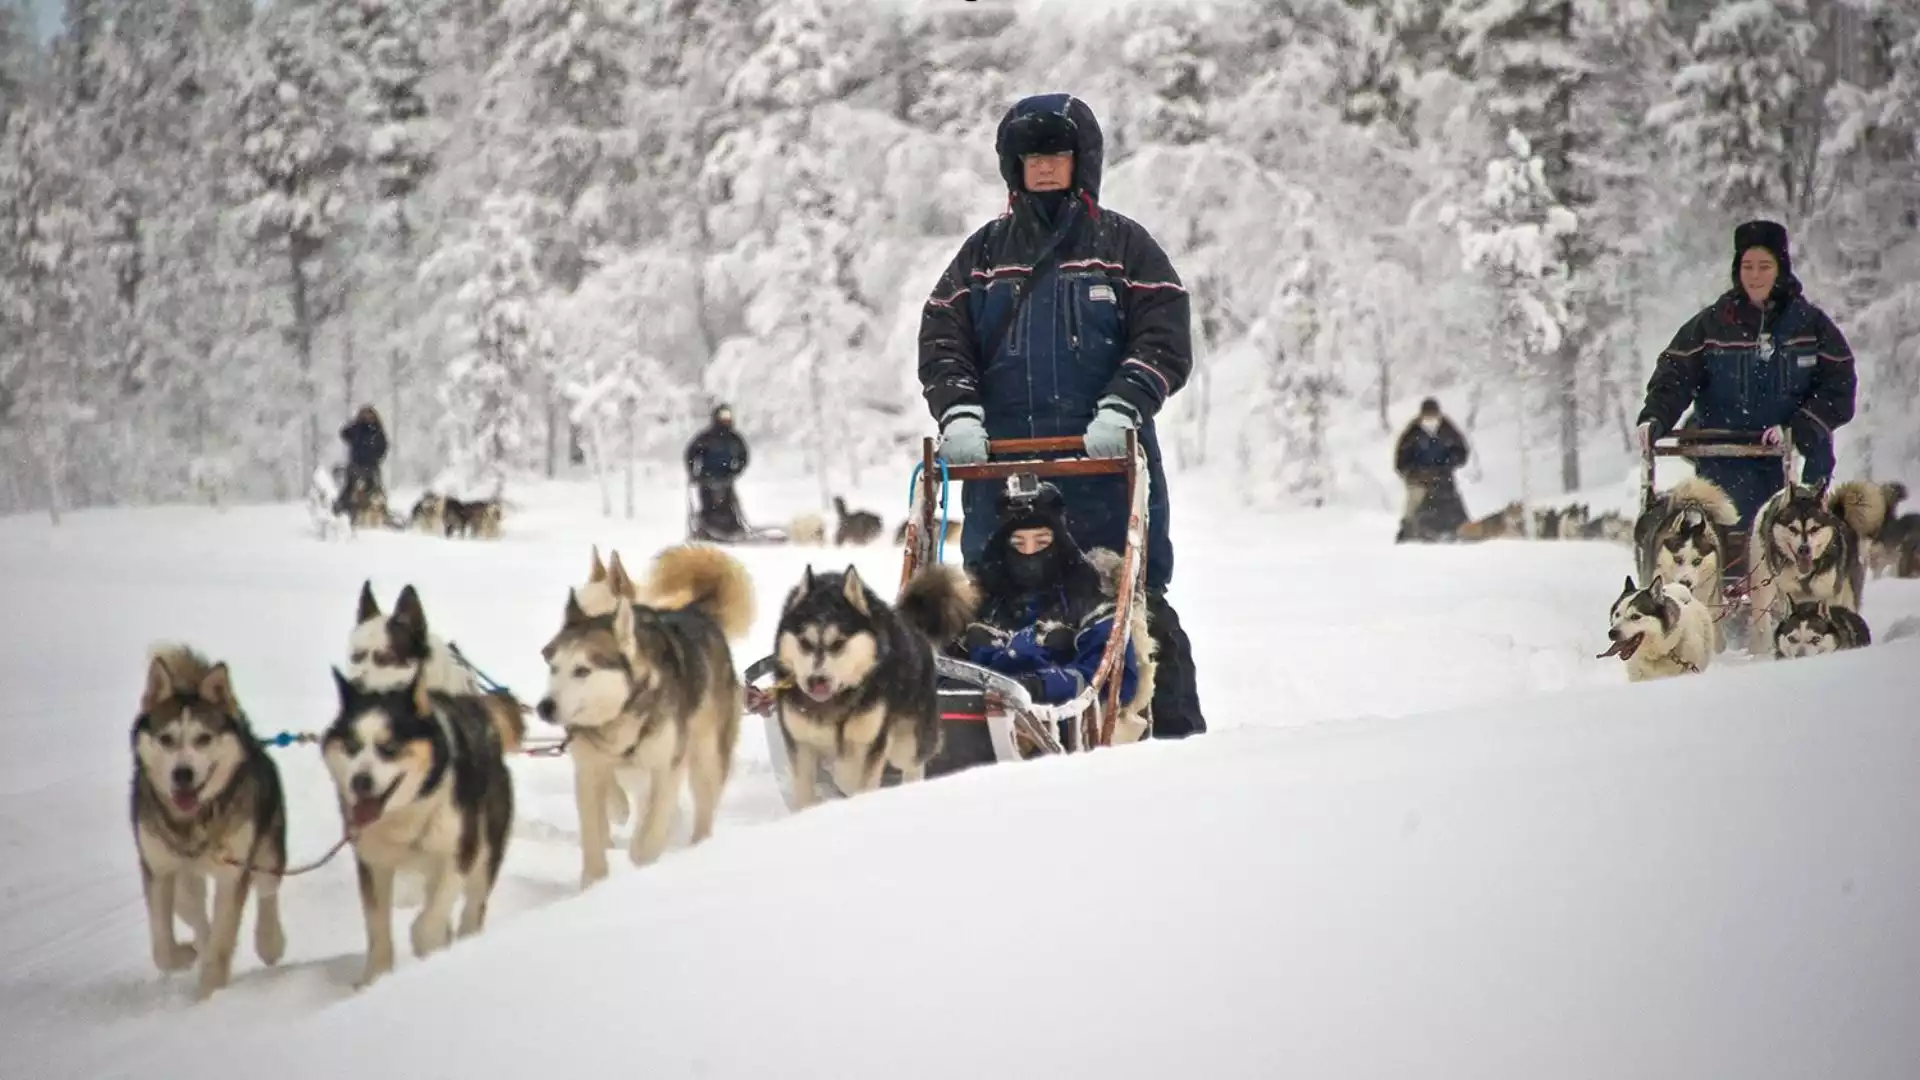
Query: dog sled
(747, 534)
(1733, 606)
(986, 717)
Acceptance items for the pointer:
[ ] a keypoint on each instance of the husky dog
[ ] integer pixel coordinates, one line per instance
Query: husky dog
(1511, 520)
(423, 785)
(1807, 545)
(856, 526)
(479, 518)
(384, 652)
(856, 682)
(1897, 546)
(951, 535)
(1682, 537)
(1814, 628)
(207, 802)
(429, 515)
(651, 687)
(1660, 630)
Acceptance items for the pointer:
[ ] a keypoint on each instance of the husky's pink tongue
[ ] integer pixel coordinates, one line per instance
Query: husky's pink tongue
(366, 812)
(1803, 563)
(186, 801)
(819, 688)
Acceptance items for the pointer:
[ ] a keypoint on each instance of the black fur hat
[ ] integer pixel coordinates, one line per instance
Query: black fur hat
(1770, 235)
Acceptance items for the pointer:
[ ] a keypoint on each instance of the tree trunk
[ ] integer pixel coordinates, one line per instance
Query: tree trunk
(1383, 363)
(299, 249)
(1568, 393)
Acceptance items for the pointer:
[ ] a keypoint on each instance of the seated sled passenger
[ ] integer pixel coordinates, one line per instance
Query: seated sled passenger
(1046, 608)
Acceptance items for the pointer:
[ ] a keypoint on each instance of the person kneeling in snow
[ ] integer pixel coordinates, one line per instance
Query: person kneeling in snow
(1046, 609)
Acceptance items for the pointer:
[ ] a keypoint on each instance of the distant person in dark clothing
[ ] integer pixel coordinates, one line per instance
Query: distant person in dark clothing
(715, 458)
(1429, 452)
(366, 441)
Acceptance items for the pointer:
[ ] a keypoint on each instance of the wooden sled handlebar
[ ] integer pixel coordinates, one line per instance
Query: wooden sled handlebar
(1716, 443)
(1022, 451)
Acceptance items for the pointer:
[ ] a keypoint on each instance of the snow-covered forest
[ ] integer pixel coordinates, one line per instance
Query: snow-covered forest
(540, 235)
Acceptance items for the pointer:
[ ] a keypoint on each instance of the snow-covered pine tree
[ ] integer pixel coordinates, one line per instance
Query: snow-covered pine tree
(559, 97)
(1527, 60)
(383, 43)
(1168, 50)
(1517, 236)
(1873, 146)
(1745, 109)
(298, 149)
(46, 379)
(502, 348)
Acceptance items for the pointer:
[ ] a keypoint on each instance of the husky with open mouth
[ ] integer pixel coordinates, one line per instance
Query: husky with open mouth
(1808, 544)
(1661, 630)
(423, 785)
(207, 803)
(857, 685)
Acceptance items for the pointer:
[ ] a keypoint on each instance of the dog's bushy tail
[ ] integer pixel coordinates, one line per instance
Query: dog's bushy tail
(706, 579)
(939, 601)
(1706, 496)
(509, 720)
(1862, 505)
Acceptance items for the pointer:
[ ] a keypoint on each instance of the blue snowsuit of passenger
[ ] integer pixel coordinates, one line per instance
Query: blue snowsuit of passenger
(1746, 368)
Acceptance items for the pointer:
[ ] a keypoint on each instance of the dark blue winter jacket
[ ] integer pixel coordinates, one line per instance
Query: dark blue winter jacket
(1441, 452)
(718, 453)
(1060, 679)
(1744, 369)
(1105, 315)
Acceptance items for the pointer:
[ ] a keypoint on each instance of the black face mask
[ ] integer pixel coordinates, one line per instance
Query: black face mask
(1049, 204)
(1030, 572)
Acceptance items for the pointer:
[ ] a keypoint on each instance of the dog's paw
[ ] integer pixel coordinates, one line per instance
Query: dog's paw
(175, 956)
(213, 979)
(429, 935)
(269, 941)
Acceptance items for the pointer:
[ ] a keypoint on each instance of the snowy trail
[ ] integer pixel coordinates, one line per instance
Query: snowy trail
(1294, 621)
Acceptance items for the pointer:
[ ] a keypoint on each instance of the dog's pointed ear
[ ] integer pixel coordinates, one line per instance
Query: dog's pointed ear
(159, 685)
(623, 629)
(216, 688)
(1657, 586)
(575, 614)
(598, 572)
(619, 580)
(806, 579)
(343, 686)
(1628, 589)
(408, 609)
(369, 607)
(855, 590)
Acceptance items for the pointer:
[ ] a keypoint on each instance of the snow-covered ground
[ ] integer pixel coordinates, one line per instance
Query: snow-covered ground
(1429, 835)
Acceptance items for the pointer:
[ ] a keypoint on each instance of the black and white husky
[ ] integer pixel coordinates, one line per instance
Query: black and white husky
(856, 680)
(423, 785)
(1815, 628)
(1660, 631)
(1808, 545)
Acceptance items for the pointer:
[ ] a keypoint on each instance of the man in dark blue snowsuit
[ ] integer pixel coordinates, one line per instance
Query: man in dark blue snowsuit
(1063, 318)
(1759, 358)
(715, 459)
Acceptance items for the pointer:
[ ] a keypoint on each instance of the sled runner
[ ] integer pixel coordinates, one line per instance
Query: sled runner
(748, 534)
(987, 717)
(1697, 443)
